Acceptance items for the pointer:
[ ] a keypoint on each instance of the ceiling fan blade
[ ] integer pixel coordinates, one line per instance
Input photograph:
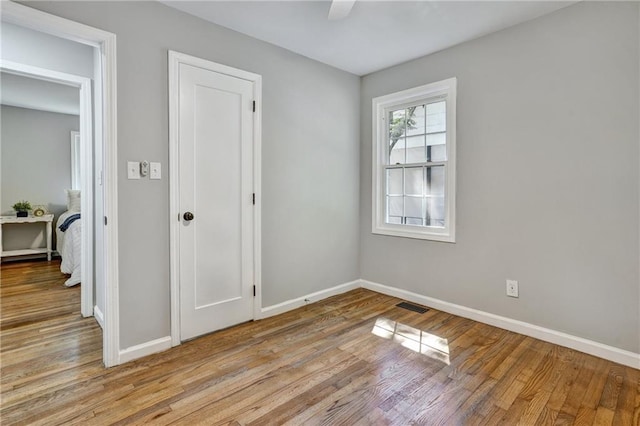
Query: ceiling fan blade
(340, 9)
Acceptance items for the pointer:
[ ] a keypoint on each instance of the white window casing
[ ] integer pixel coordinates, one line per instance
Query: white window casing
(390, 215)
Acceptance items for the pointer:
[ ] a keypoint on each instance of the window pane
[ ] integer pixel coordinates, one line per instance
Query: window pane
(435, 196)
(416, 120)
(394, 206)
(394, 182)
(394, 219)
(436, 117)
(413, 207)
(397, 130)
(414, 179)
(435, 180)
(437, 153)
(396, 118)
(415, 149)
(414, 221)
(397, 152)
(437, 139)
(436, 148)
(435, 211)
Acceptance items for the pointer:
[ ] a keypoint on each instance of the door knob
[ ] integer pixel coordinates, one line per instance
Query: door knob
(188, 216)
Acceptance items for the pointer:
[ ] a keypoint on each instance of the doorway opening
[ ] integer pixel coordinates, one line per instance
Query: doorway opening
(78, 257)
(98, 159)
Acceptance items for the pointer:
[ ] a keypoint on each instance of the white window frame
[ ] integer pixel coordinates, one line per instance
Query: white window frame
(382, 105)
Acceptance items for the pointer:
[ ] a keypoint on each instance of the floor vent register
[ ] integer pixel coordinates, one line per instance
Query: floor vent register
(412, 307)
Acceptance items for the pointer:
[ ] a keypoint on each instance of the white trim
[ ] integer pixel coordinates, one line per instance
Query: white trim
(174, 198)
(610, 353)
(144, 349)
(110, 182)
(174, 61)
(75, 160)
(99, 186)
(298, 302)
(340, 9)
(86, 185)
(174, 264)
(44, 74)
(257, 189)
(34, 19)
(99, 316)
(446, 90)
(86, 161)
(40, 21)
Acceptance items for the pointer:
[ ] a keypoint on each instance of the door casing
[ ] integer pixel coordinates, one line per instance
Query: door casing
(175, 59)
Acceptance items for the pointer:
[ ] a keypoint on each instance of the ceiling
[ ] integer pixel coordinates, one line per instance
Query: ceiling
(375, 35)
(27, 92)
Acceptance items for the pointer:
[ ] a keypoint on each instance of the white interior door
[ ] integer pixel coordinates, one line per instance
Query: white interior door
(215, 151)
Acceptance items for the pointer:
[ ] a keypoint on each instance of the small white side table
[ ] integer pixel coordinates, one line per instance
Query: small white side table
(47, 219)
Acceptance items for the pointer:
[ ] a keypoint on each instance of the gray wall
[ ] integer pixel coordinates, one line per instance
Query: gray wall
(547, 175)
(36, 166)
(310, 158)
(27, 46)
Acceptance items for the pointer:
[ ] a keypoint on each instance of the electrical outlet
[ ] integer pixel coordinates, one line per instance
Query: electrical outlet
(512, 288)
(155, 170)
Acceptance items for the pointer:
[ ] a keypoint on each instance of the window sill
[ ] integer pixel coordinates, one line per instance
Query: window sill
(446, 237)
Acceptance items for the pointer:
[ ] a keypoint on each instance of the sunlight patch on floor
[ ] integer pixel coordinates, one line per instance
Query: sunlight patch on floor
(411, 338)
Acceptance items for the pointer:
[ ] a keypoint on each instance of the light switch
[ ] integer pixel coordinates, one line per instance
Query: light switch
(144, 168)
(155, 170)
(133, 170)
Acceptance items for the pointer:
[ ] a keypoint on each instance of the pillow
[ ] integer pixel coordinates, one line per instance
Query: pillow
(73, 200)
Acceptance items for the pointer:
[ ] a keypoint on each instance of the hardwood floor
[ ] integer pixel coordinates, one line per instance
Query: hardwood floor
(353, 359)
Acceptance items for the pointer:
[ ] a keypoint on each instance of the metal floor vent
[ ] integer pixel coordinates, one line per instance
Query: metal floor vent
(412, 307)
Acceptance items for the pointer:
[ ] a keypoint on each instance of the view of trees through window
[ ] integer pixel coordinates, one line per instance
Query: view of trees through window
(415, 175)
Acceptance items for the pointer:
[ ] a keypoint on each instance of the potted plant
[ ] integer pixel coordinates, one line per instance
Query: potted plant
(22, 208)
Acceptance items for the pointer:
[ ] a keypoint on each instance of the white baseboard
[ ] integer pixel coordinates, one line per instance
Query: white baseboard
(590, 347)
(99, 316)
(289, 305)
(144, 349)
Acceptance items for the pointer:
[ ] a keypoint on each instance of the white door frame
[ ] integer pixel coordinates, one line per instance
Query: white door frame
(175, 59)
(86, 159)
(76, 159)
(105, 139)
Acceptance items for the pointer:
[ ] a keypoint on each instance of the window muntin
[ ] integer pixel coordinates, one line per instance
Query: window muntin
(415, 195)
(414, 142)
(417, 135)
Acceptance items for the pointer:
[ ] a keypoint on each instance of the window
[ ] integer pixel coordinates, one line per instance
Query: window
(414, 162)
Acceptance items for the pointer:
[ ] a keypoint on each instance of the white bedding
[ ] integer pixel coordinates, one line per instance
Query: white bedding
(70, 248)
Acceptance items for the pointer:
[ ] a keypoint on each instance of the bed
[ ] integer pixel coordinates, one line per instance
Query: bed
(69, 237)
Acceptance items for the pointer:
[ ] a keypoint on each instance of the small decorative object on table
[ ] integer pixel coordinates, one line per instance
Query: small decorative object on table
(39, 211)
(22, 208)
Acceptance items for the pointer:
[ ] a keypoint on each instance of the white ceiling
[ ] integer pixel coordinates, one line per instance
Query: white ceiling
(27, 92)
(375, 35)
